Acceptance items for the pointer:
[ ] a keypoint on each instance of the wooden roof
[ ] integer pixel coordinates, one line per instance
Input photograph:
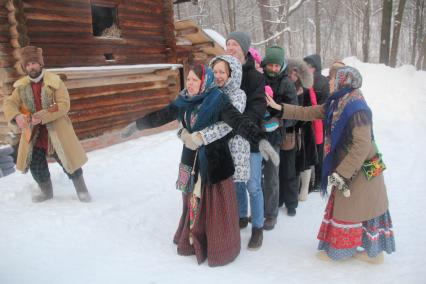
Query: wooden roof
(189, 33)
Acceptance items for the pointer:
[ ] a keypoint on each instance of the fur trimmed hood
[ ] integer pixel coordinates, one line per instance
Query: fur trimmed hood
(305, 77)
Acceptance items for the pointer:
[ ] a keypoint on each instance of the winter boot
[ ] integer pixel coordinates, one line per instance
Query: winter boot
(291, 212)
(363, 256)
(322, 255)
(305, 178)
(46, 192)
(269, 223)
(243, 222)
(256, 238)
(80, 187)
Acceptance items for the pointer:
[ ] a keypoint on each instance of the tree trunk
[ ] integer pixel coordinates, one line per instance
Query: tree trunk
(396, 31)
(317, 27)
(265, 17)
(421, 61)
(385, 31)
(421, 43)
(366, 31)
(415, 32)
(231, 15)
(223, 17)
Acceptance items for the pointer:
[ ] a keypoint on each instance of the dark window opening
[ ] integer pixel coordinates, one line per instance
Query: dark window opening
(105, 22)
(109, 57)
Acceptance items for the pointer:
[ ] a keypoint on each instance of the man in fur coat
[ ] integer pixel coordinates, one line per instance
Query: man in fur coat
(38, 106)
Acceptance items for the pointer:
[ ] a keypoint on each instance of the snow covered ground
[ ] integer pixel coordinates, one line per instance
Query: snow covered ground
(125, 235)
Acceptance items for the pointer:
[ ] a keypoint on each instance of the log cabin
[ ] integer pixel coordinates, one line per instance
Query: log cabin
(118, 58)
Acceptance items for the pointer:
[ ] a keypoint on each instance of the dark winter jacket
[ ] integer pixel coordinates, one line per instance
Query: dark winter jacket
(306, 154)
(220, 163)
(253, 84)
(284, 92)
(321, 86)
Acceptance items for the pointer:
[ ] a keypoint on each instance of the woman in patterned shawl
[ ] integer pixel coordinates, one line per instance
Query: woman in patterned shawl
(208, 226)
(356, 222)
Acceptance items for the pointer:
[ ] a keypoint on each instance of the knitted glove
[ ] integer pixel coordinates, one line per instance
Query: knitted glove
(129, 130)
(339, 182)
(268, 152)
(191, 140)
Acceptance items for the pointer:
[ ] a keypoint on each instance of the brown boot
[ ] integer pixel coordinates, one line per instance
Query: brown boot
(256, 238)
(46, 192)
(80, 187)
(269, 223)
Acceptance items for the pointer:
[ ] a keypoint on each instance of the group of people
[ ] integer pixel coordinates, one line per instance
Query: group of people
(254, 130)
(264, 126)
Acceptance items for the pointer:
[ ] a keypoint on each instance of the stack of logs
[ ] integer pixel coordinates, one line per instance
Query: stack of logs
(103, 100)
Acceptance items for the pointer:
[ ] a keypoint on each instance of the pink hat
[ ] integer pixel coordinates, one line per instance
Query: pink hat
(256, 55)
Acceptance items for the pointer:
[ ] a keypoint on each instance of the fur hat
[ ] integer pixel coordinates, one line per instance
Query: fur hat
(31, 54)
(243, 40)
(305, 77)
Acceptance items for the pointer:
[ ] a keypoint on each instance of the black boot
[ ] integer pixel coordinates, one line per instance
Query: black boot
(46, 192)
(269, 223)
(243, 222)
(256, 238)
(80, 187)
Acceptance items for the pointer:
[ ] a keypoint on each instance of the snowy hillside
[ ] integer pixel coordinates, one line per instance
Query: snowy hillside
(125, 234)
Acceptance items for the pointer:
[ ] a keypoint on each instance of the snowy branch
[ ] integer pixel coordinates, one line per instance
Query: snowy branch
(294, 7)
(272, 37)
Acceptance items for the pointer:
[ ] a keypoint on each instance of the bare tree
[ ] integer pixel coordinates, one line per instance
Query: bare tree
(265, 15)
(366, 30)
(317, 27)
(385, 32)
(283, 11)
(232, 15)
(396, 31)
(417, 29)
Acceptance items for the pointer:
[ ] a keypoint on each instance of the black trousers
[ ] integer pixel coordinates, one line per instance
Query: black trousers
(318, 167)
(40, 170)
(289, 185)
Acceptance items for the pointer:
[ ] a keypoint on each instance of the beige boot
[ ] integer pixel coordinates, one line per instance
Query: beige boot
(322, 255)
(46, 192)
(363, 256)
(81, 188)
(305, 178)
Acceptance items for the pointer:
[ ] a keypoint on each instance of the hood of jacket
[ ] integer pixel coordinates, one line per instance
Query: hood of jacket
(303, 74)
(315, 61)
(234, 81)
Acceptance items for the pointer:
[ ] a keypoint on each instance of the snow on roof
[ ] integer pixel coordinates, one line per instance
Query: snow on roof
(217, 37)
(118, 67)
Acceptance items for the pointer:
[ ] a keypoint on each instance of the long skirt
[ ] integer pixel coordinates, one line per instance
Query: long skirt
(214, 233)
(341, 239)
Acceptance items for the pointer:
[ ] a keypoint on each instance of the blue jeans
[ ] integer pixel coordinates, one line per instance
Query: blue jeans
(254, 188)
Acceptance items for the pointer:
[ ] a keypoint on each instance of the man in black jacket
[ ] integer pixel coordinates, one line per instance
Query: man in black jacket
(280, 183)
(253, 84)
(322, 90)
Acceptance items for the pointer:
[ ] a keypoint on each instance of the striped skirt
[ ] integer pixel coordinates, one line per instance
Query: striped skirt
(341, 239)
(214, 234)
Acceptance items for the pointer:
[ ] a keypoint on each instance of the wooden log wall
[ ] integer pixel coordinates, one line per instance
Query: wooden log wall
(64, 30)
(101, 101)
(110, 99)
